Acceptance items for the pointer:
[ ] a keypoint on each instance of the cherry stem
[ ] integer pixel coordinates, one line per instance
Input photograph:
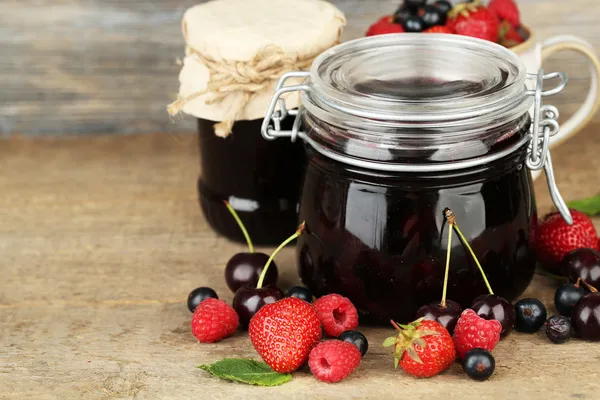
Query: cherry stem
(240, 224)
(277, 250)
(451, 218)
(395, 325)
(588, 286)
(443, 302)
(578, 283)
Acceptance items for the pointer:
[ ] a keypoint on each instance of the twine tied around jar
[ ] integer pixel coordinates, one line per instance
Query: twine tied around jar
(241, 77)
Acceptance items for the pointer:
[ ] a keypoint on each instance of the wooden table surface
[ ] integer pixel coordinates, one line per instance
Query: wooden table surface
(102, 239)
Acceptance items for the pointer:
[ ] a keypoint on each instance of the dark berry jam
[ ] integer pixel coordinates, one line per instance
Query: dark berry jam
(261, 179)
(380, 238)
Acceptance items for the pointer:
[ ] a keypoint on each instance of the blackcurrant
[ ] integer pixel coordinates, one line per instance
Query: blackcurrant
(198, 295)
(558, 329)
(414, 5)
(566, 297)
(300, 292)
(357, 339)
(479, 364)
(530, 315)
(443, 5)
(433, 16)
(413, 24)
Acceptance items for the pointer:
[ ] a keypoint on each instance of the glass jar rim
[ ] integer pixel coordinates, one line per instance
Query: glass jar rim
(433, 80)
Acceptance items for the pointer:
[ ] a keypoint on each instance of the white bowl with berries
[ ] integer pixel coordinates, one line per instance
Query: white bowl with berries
(498, 21)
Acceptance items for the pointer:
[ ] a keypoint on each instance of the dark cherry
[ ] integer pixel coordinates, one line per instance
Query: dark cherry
(248, 300)
(433, 16)
(300, 292)
(414, 5)
(585, 318)
(357, 339)
(447, 316)
(479, 364)
(443, 5)
(584, 264)
(558, 329)
(198, 295)
(530, 315)
(490, 306)
(567, 296)
(413, 24)
(245, 269)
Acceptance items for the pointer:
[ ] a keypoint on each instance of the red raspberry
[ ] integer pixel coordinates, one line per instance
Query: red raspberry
(383, 26)
(337, 314)
(214, 320)
(506, 10)
(472, 331)
(333, 360)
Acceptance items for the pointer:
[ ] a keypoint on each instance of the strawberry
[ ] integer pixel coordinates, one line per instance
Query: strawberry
(508, 35)
(472, 331)
(471, 19)
(214, 320)
(555, 238)
(283, 333)
(422, 348)
(384, 25)
(506, 10)
(438, 29)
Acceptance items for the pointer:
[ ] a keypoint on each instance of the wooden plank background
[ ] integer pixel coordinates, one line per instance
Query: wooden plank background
(109, 66)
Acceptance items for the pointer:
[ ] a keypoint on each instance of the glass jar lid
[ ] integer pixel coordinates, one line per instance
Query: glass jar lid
(432, 79)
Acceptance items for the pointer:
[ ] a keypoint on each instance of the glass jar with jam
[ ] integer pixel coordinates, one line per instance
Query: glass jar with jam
(236, 51)
(398, 128)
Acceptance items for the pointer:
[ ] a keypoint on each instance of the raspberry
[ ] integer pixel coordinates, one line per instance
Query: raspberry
(214, 320)
(337, 314)
(472, 331)
(333, 360)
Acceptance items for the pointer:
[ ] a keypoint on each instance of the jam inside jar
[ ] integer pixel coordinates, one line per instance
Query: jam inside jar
(260, 179)
(397, 129)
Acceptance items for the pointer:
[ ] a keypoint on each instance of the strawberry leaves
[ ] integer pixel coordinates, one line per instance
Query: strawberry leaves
(408, 337)
(589, 206)
(246, 371)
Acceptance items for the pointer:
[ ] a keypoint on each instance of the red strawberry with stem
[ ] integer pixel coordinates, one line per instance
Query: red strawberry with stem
(383, 26)
(284, 333)
(506, 10)
(555, 238)
(422, 348)
(472, 19)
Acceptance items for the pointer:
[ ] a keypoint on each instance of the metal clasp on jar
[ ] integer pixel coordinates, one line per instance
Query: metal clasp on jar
(545, 125)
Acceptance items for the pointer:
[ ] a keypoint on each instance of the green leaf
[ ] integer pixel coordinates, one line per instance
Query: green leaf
(589, 206)
(389, 341)
(246, 371)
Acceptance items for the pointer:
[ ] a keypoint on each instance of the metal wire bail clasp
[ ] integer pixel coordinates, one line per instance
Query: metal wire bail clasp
(545, 125)
(271, 132)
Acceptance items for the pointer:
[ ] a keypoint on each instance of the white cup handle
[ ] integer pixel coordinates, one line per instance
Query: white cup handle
(592, 102)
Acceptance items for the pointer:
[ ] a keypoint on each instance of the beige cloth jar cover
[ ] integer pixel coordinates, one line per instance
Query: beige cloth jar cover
(236, 51)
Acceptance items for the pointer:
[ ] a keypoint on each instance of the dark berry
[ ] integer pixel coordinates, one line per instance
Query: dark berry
(585, 317)
(245, 268)
(433, 16)
(357, 339)
(479, 364)
(558, 329)
(530, 315)
(414, 5)
(443, 5)
(566, 297)
(198, 295)
(490, 306)
(584, 264)
(413, 24)
(401, 14)
(301, 293)
(248, 300)
(447, 316)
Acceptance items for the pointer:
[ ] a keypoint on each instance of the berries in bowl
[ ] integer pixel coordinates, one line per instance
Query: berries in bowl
(499, 21)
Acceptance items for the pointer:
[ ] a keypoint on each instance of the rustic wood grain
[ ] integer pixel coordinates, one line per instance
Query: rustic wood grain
(109, 66)
(101, 240)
